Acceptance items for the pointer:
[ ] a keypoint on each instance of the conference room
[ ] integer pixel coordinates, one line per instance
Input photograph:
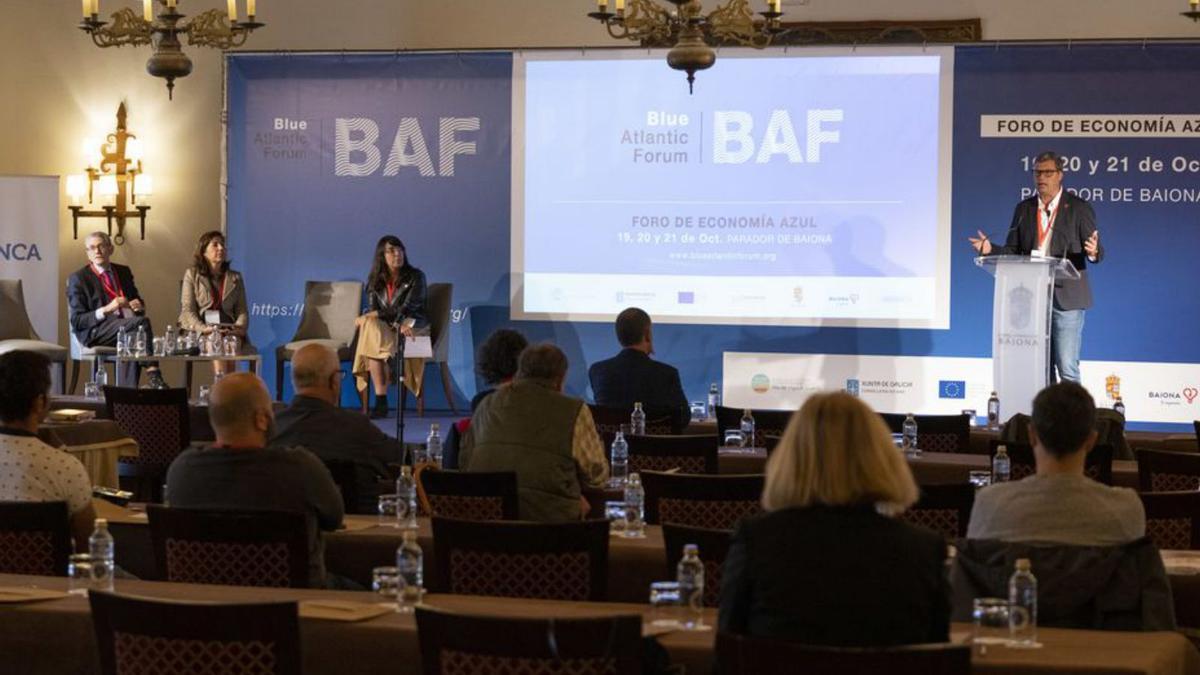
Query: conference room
(599, 335)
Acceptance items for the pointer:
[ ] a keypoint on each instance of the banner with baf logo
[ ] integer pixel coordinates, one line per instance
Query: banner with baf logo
(328, 152)
(29, 246)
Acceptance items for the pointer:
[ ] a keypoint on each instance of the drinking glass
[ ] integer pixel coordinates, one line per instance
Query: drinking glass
(665, 607)
(389, 510)
(79, 574)
(231, 345)
(615, 512)
(204, 391)
(385, 581)
(160, 346)
(699, 411)
(971, 419)
(734, 438)
(990, 617)
(91, 390)
(980, 479)
(898, 440)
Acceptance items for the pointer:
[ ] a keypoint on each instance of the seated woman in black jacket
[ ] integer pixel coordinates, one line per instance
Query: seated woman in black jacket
(395, 304)
(826, 564)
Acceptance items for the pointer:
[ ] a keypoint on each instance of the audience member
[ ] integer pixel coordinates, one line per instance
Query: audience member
(826, 565)
(30, 470)
(633, 377)
(240, 471)
(315, 421)
(1059, 504)
(549, 439)
(496, 360)
(102, 299)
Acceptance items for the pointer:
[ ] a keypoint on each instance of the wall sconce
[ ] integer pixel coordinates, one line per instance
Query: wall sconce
(112, 183)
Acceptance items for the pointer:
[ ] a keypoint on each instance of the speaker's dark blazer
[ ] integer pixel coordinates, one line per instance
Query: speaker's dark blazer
(85, 295)
(631, 377)
(1075, 222)
(838, 576)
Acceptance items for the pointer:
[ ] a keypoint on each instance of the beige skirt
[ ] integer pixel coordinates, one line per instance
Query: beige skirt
(377, 340)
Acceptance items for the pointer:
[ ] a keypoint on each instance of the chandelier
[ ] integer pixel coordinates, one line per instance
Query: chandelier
(691, 32)
(114, 181)
(1193, 12)
(214, 28)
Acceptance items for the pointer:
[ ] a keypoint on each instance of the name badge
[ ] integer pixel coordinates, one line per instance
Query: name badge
(1037, 253)
(212, 317)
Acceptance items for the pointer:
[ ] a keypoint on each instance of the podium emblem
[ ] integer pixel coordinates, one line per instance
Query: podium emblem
(1020, 308)
(1112, 386)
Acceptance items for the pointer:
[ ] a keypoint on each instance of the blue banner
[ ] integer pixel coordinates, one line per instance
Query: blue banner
(328, 152)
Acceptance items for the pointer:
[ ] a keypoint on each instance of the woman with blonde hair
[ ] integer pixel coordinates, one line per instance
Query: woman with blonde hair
(826, 564)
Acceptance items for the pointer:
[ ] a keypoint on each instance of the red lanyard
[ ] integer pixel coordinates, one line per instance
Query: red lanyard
(1043, 231)
(111, 288)
(391, 291)
(218, 293)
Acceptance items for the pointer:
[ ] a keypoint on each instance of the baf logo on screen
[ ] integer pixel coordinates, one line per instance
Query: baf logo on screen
(760, 383)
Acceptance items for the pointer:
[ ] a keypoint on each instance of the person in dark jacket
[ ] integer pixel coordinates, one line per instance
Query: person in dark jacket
(315, 422)
(826, 564)
(633, 377)
(396, 298)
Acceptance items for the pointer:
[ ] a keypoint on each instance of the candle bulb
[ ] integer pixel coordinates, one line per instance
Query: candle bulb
(602, 5)
(147, 10)
(87, 8)
(620, 6)
(250, 7)
(773, 5)
(95, 7)
(171, 5)
(232, 11)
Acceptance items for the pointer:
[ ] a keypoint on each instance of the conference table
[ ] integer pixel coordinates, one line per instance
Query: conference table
(931, 468)
(99, 444)
(56, 635)
(633, 564)
(200, 428)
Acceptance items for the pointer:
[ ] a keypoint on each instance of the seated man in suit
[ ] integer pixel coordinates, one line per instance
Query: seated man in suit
(241, 471)
(632, 377)
(1059, 504)
(548, 438)
(315, 421)
(103, 299)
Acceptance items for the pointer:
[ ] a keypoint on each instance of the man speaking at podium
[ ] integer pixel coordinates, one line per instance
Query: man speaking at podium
(1055, 223)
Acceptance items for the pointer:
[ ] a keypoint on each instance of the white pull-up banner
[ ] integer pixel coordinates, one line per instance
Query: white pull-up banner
(29, 246)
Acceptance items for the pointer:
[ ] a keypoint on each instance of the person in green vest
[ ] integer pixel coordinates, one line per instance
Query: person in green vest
(548, 438)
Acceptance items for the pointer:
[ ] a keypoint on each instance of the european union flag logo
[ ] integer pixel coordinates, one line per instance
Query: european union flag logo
(952, 389)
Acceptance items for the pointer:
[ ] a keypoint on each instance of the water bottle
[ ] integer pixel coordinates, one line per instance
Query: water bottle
(433, 445)
(714, 400)
(994, 411)
(635, 500)
(101, 546)
(1119, 405)
(1001, 466)
(122, 341)
(406, 488)
(690, 575)
(139, 342)
(170, 339)
(909, 435)
(1022, 607)
(748, 429)
(637, 421)
(101, 379)
(410, 564)
(619, 460)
